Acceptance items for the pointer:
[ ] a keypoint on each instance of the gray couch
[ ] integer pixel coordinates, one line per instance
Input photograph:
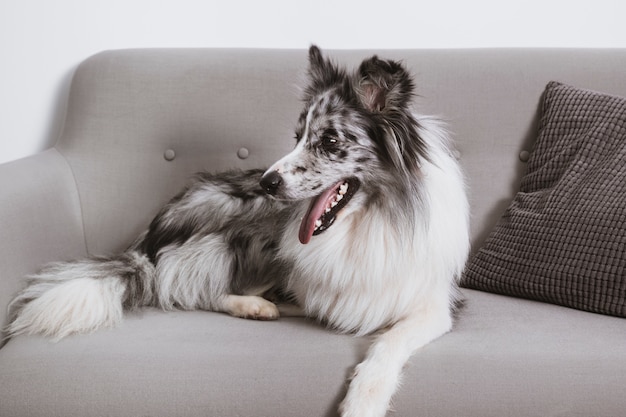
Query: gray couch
(140, 122)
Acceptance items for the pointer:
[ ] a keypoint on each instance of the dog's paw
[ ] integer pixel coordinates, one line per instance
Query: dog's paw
(251, 307)
(355, 407)
(369, 393)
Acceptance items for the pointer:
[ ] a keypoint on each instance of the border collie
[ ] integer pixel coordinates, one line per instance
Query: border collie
(364, 226)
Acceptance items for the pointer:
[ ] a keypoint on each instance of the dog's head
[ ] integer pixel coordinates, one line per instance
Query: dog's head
(355, 129)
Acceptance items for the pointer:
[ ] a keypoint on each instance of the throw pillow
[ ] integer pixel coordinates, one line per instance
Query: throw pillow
(563, 237)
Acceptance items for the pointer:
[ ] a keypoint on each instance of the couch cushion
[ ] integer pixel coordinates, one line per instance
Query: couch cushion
(511, 357)
(178, 364)
(563, 238)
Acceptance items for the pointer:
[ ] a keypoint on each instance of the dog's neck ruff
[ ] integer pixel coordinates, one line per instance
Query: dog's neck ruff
(324, 208)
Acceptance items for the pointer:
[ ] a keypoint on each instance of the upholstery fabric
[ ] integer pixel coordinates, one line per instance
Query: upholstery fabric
(563, 238)
(505, 357)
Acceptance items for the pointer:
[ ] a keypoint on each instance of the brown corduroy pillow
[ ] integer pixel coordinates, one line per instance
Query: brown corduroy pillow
(563, 238)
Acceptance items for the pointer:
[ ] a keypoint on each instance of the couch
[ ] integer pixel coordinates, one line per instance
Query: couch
(140, 122)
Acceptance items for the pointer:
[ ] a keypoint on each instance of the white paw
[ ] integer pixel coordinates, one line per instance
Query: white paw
(251, 307)
(368, 395)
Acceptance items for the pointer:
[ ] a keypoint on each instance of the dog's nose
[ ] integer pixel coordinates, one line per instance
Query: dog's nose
(271, 181)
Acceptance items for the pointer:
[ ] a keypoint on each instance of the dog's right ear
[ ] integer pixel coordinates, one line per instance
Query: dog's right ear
(322, 73)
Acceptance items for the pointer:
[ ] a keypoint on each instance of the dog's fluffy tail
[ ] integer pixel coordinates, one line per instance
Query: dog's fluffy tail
(82, 296)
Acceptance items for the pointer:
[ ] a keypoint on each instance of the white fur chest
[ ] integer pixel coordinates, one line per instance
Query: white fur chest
(358, 277)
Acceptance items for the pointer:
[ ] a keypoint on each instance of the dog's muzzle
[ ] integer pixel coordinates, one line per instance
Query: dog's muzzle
(323, 208)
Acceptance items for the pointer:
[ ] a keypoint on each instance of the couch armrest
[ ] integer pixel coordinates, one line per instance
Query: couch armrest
(40, 219)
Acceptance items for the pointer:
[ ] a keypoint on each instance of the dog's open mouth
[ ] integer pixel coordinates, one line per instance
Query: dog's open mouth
(324, 208)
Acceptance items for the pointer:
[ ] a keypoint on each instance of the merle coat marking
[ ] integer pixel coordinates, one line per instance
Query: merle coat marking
(364, 225)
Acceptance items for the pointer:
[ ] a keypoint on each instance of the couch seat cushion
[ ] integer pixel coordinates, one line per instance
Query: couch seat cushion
(505, 357)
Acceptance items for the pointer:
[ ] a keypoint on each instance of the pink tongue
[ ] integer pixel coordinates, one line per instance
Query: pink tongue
(315, 211)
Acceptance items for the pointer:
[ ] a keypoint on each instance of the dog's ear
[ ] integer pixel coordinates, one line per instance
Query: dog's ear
(322, 72)
(383, 85)
(385, 88)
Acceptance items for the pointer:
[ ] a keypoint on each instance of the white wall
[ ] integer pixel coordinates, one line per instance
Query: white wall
(42, 41)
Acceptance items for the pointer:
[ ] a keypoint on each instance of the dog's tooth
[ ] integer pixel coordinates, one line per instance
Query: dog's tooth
(327, 209)
(343, 188)
(333, 204)
(318, 223)
(339, 197)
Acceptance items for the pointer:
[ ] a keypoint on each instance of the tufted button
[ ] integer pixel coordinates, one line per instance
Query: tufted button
(169, 155)
(243, 153)
(524, 156)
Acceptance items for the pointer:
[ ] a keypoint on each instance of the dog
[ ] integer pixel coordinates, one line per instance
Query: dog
(364, 225)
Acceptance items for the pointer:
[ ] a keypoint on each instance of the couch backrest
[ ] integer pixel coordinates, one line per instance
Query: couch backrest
(140, 122)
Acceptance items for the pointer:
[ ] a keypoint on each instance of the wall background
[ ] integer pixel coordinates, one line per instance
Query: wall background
(42, 41)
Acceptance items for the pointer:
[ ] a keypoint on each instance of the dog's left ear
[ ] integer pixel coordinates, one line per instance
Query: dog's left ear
(385, 88)
(383, 85)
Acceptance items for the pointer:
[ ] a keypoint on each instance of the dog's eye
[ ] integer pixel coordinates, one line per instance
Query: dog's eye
(329, 144)
(329, 141)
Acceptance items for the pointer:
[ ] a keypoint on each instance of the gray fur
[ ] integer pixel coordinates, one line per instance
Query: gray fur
(221, 235)
(366, 228)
